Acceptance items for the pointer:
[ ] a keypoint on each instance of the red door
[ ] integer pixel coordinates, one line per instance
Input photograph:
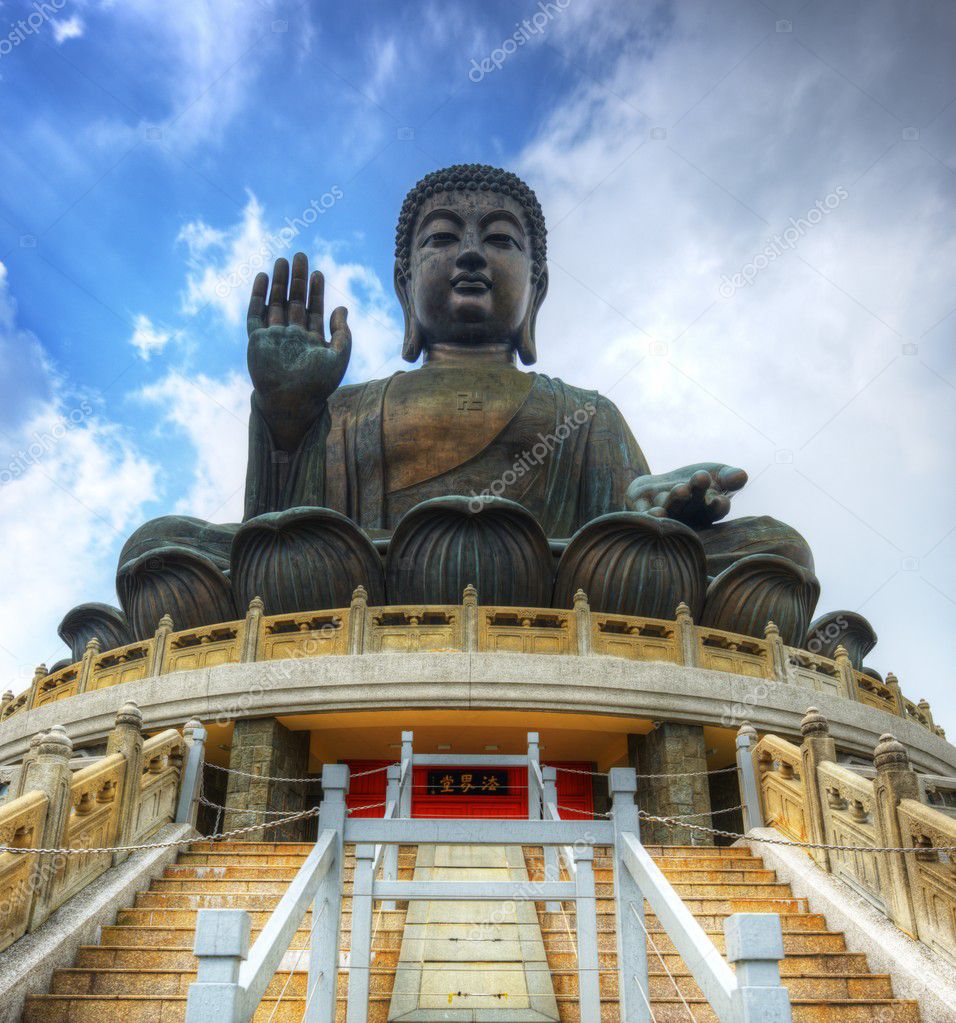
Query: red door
(494, 792)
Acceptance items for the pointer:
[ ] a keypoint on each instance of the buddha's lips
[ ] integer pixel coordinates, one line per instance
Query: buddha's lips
(471, 282)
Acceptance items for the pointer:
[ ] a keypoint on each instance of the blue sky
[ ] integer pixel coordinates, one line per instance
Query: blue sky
(150, 152)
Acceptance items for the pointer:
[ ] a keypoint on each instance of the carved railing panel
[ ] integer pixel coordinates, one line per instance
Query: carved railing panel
(204, 647)
(21, 824)
(59, 685)
(124, 664)
(159, 784)
(742, 655)
(932, 875)
(93, 822)
(526, 631)
(304, 635)
(847, 802)
(426, 628)
(779, 775)
(874, 693)
(637, 639)
(819, 674)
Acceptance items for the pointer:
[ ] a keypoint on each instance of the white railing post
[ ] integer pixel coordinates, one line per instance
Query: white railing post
(633, 984)
(552, 870)
(390, 853)
(360, 954)
(534, 790)
(408, 754)
(189, 783)
(585, 903)
(221, 945)
(322, 985)
(747, 779)
(755, 944)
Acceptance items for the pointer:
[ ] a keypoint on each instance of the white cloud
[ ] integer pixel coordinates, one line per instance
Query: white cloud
(68, 28)
(212, 415)
(72, 487)
(223, 262)
(808, 377)
(147, 338)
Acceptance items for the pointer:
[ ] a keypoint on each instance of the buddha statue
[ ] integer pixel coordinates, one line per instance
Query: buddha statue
(365, 467)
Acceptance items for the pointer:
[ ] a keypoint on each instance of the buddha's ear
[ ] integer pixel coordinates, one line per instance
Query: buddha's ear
(527, 350)
(412, 342)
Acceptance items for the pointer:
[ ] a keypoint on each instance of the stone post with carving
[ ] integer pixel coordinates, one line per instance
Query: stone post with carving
(582, 623)
(127, 738)
(893, 684)
(251, 630)
(895, 780)
(469, 619)
(358, 612)
(686, 636)
(817, 748)
(847, 674)
(778, 653)
(86, 665)
(160, 641)
(50, 774)
(38, 676)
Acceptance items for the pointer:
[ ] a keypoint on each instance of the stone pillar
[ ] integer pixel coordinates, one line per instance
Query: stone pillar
(582, 623)
(160, 639)
(845, 666)
(90, 654)
(263, 749)
(680, 750)
(817, 748)
(127, 738)
(687, 635)
(778, 653)
(893, 684)
(250, 634)
(895, 780)
(358, 612)
(50, 773)
(469, 619)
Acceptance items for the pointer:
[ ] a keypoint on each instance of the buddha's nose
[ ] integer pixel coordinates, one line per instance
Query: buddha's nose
(469, 253)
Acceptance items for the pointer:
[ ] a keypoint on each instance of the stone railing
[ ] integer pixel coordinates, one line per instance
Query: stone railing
(807, 796)
(466, 627)
(121, 799)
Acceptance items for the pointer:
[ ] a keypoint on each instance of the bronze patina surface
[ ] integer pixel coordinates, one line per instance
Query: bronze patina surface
(470, 274)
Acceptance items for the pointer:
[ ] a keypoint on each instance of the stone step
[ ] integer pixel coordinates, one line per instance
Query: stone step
(705, 891)
(166, 1009)
(805, 943)
(78, 981)
(791, 922)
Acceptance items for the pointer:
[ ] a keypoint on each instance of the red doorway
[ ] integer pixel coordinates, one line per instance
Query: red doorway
(494, 792)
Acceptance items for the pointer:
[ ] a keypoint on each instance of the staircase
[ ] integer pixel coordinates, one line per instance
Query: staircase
(142, 968)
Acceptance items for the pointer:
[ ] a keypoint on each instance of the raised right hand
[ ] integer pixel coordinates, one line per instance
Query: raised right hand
(293, 368)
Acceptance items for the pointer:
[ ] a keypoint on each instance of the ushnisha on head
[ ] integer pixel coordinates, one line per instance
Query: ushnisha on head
(470, 261)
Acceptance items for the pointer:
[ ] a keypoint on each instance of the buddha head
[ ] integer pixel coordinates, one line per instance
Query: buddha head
(470, 265)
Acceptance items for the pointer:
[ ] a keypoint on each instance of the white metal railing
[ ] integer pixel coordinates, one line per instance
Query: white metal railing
(232, 978)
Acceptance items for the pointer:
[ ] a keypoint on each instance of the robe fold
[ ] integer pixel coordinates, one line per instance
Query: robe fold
(566, 454)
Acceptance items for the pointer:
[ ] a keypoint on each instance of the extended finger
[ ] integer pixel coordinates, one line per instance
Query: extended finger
(701, 480)
(341, 339)
(257, 302)
(316, 322)
(280, 286)
(731, 479)
(298, 289)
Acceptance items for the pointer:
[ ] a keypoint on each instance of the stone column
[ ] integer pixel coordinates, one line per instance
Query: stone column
(127, 738)
(263, 749)
(679, 750)
(778, 653)
(90, 654)
(817, 748)
(847, 674)
(582, 623)
(687, 635)
(469, 619)
(250, 635)
(358, 612)
(50, 773)
(895, 780)
(160, 639)
(893, 684)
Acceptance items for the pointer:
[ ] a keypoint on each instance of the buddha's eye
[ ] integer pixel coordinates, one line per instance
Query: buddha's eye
(440, 238)
(503, 240)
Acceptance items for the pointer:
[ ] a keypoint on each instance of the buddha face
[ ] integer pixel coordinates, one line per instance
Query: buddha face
(469, 276)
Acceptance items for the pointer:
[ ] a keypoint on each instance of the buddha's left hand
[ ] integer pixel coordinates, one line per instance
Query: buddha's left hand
(697, 495)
